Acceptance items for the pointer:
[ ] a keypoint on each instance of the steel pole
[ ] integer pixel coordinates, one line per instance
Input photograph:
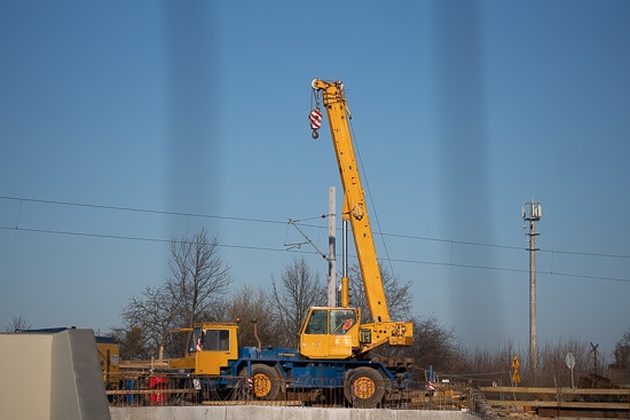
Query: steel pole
(533, 345)
(332, 256)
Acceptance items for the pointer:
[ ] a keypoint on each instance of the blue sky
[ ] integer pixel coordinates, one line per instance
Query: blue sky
(462, 111)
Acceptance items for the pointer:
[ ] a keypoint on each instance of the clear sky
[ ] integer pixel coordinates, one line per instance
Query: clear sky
(462, 111)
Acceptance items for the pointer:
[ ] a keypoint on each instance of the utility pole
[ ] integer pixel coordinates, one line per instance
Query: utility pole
(332, 258)
(595, 352)
(345, 282)
(532, 213)
(331, 290)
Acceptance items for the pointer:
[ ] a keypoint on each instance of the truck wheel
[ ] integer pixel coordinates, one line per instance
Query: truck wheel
(364, 387)
(265, 382)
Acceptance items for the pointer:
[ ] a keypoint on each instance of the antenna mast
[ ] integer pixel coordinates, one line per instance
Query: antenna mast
(532, 213)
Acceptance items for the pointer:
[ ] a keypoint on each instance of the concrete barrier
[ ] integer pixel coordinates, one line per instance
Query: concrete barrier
(25, 369)
(51, 377)
(78, 391)
(278, 413)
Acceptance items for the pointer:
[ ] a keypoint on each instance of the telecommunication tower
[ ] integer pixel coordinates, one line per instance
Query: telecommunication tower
(532, 212)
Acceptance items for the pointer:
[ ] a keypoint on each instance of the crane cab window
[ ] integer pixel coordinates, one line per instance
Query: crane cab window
(341, 320)
(318, 323)
(216, 340)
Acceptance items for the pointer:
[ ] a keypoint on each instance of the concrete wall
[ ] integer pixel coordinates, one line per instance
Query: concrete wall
(51, 377)
(278, 413)
(25, 376)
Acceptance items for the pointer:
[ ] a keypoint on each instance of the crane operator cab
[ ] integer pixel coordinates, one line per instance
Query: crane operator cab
(337, 333)
(330, 333)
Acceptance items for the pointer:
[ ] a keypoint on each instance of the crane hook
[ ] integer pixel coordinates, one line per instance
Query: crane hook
(315, 118)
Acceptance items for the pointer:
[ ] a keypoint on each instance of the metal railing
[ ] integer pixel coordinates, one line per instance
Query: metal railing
(131, 389)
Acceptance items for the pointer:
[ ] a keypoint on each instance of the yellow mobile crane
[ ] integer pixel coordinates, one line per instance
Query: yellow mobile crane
(333, 333)
(333, 341)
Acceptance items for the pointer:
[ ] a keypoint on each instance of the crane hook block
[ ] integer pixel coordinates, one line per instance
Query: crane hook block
(315, 118)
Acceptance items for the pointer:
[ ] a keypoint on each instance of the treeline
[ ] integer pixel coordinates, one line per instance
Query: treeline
(200, 288)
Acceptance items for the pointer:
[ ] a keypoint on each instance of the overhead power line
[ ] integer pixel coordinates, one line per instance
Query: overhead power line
(143, 210)
(298, 251)
(144, 239)
(300, 223)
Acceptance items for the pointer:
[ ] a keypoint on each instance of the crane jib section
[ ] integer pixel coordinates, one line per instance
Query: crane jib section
(336, 109)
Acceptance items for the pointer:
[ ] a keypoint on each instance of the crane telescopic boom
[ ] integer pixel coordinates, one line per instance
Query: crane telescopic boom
(359, 338)
(355, 207)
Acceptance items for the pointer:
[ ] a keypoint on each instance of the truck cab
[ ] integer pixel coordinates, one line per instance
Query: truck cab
(210, 348)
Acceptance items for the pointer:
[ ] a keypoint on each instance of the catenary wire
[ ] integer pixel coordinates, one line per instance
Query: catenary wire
(298, 251)
(144, 210)
(300, 222)
(146, 239)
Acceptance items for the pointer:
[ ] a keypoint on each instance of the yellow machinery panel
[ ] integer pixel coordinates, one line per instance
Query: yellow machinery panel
(210, 348)
(109, 357)
(330, 333)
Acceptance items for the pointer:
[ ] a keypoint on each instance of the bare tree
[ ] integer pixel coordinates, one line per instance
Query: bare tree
(154, 313)
(485, 367)
(621, 354)
(398, 294)
(620, 368)
(17, 324)
(132, 342)
(552, 369)
(246, 306)
(435, 345)
(298, 290)
(199, 277)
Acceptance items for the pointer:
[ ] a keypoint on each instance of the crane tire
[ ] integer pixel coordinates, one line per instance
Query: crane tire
(265, 382)
(364, 387)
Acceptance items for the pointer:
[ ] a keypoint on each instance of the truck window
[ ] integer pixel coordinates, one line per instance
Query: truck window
(177, 346)
(318, 324)
(341, 320)
(217, 340)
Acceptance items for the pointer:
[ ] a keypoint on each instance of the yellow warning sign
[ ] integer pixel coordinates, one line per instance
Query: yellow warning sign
(516, 363)
(516, 378)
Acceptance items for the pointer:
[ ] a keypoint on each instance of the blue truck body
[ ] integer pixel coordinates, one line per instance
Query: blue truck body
(296, 372)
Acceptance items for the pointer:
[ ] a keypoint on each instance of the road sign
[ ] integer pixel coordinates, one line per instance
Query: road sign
(516, 363)
(516, 378)
(570, 360)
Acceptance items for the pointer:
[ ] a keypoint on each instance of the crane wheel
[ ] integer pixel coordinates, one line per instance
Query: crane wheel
(265, 382)
(364, 387)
